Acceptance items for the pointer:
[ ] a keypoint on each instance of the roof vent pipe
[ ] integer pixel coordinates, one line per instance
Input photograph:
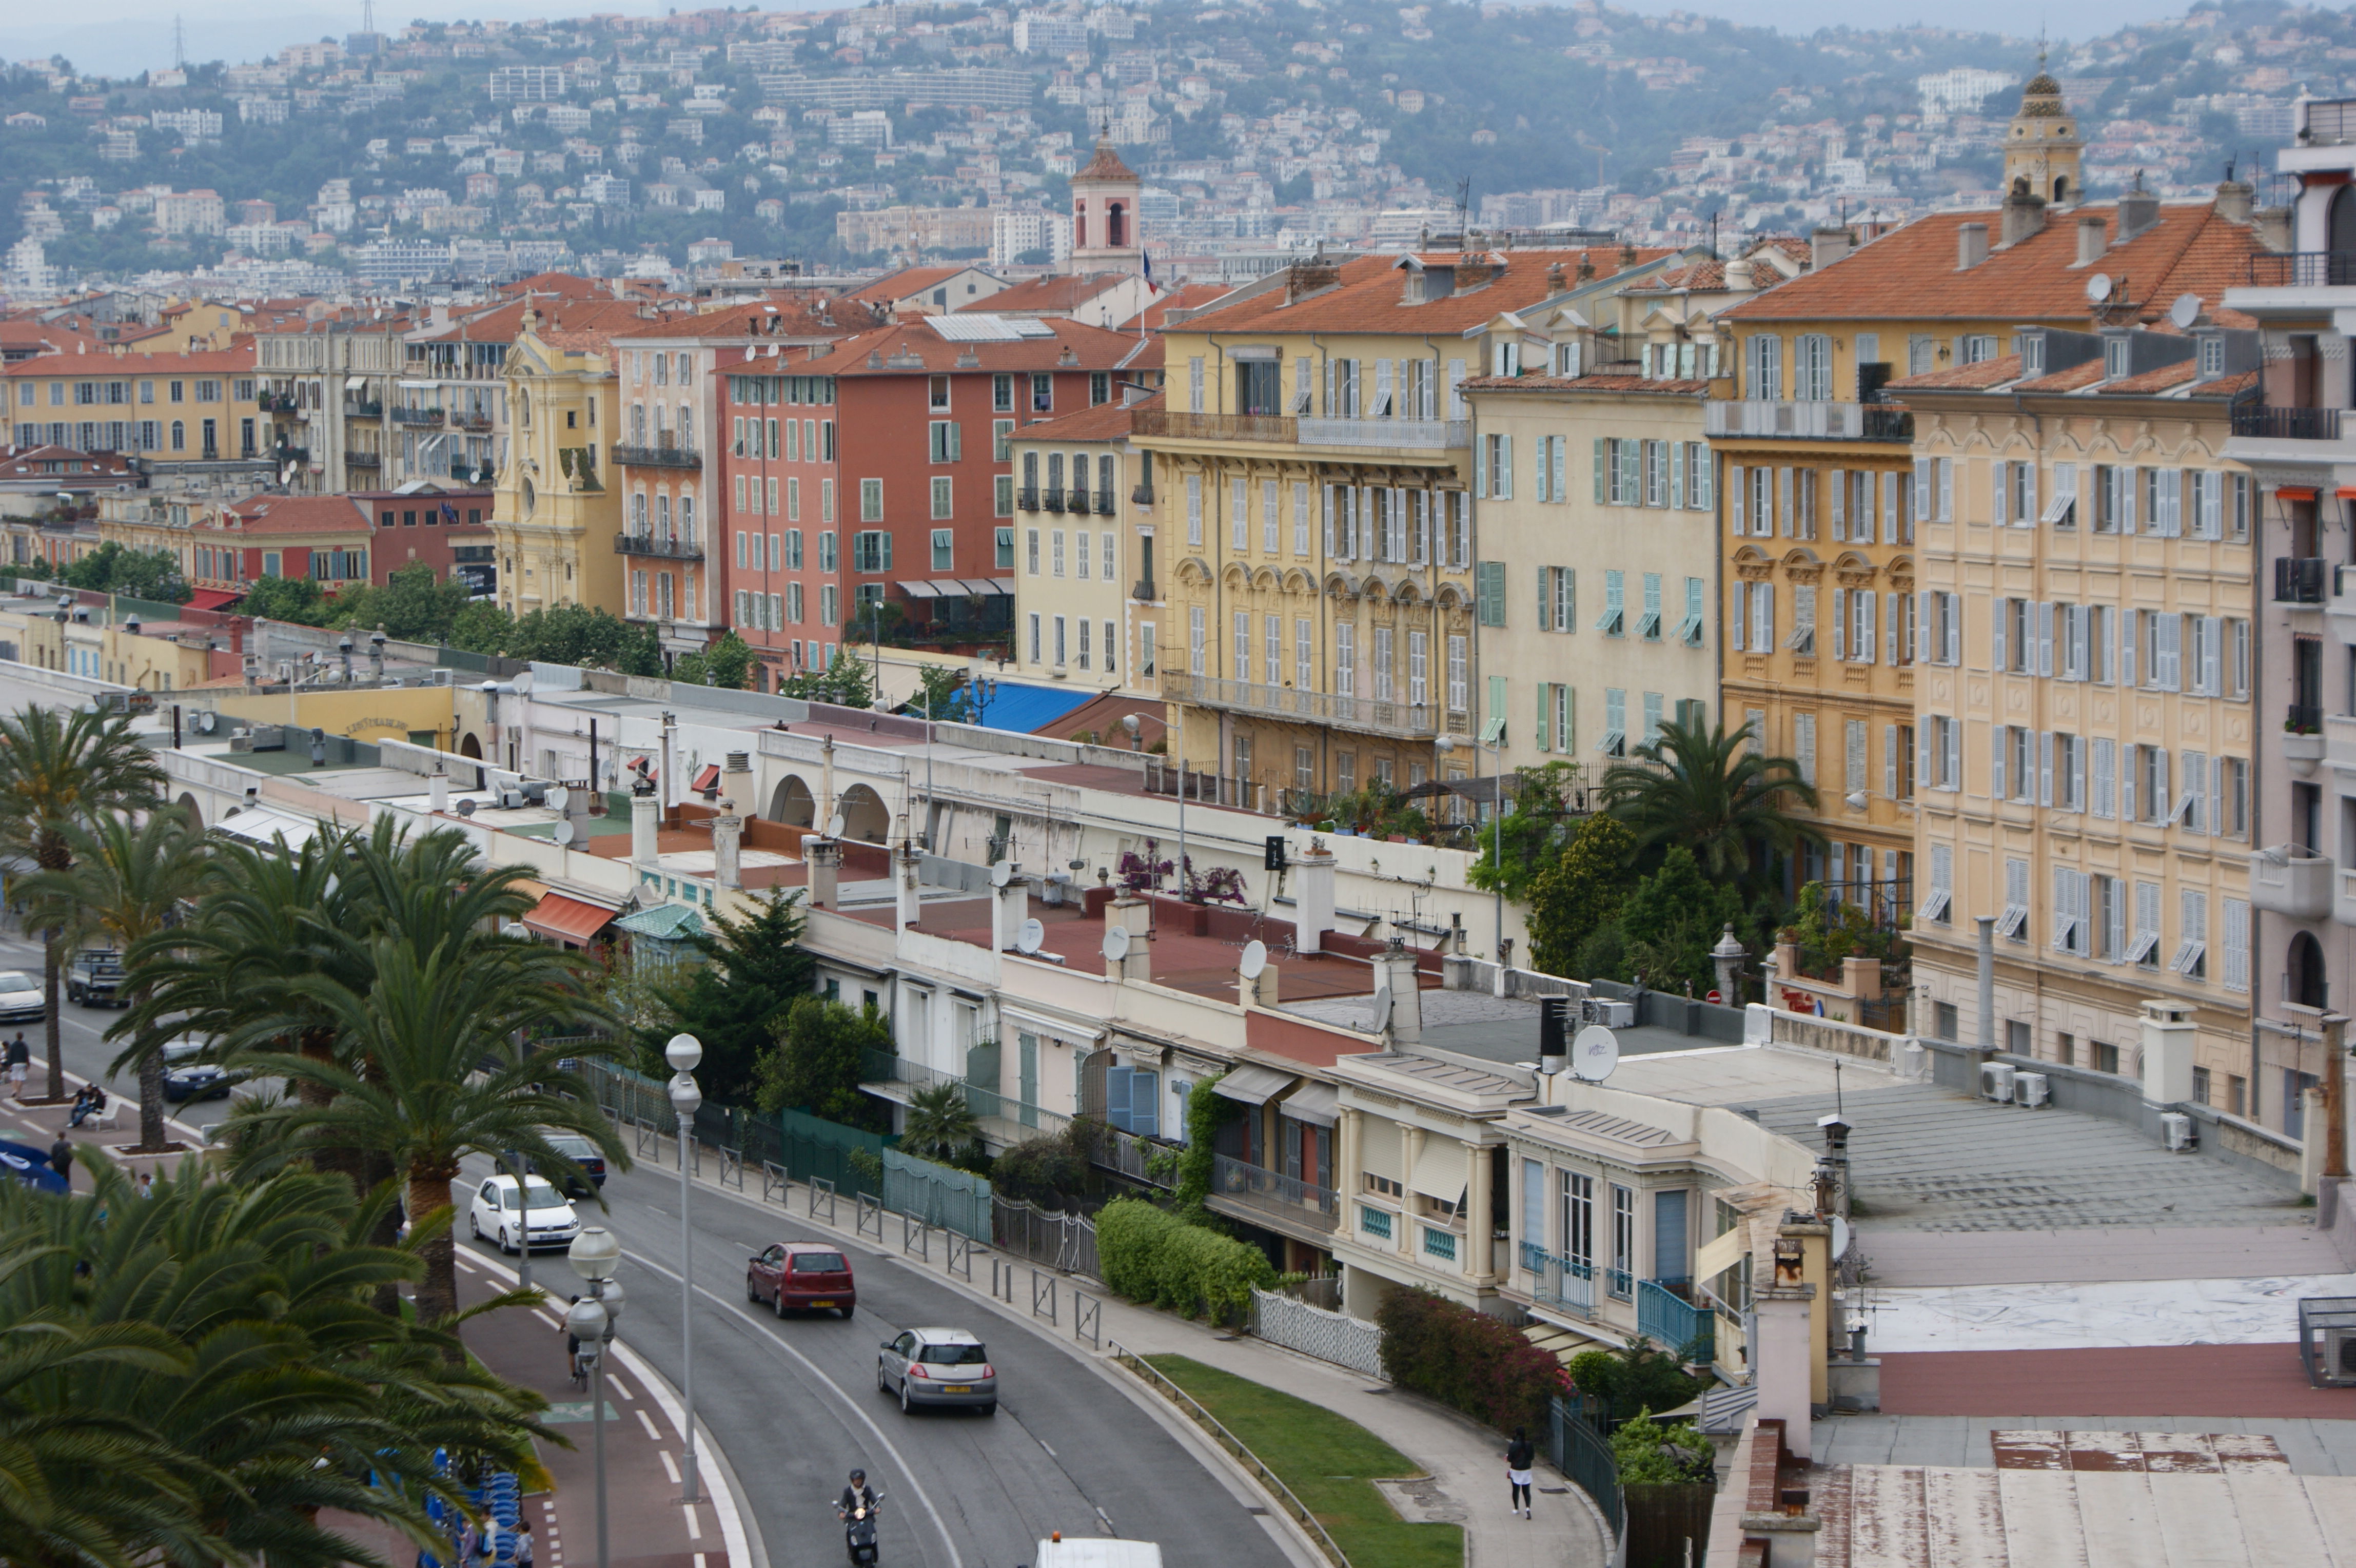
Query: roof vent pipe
(1971, 246)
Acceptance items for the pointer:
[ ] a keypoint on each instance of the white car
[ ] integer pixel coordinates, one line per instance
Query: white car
(499, 1211)
(20, 998)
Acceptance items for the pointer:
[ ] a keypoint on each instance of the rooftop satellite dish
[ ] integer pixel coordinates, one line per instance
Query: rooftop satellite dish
(1116, 944)
(466, 807)
(563, 833)
(1594, 1052)
(1382, 1008)
(1840, 1239)
(1255, 961)
(1028, 938)
(558, 797)
(207, 722)
(1001, 873)
(2185, 311)
(834, 826)
(2098, 287)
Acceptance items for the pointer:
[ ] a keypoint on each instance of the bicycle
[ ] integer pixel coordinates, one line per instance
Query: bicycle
(580, 1371)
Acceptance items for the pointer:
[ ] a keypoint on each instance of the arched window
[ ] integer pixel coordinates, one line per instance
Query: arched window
(1116, 225)
(2341, 229)
(2060, 189)
(179, 436)
(1079, 225)
(2302, 965)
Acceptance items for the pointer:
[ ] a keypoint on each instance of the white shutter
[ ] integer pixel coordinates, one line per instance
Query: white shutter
(1737, 493)
(1921, 488)
(1954, 737)
(2212, 642)
(1740, 626)
(1923, 627)
(2216, 796)
(1890, 760)
(1854, 761)
(1840, 623)
(1947, 489)
(1955, 624)
(1999, 632)
(2045, 767)
(1924, 776)
(2129, 632)
(1997, 474)
(1862, 645)
(1840, 505)
(2128, 757)
(1999, 761)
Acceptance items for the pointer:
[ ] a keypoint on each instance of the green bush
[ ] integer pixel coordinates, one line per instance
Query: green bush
(1151, 1255)
(1053, 1171)
(1634, 1377)
(1467, 1360)
(1652, 1454)
(1206, 1111)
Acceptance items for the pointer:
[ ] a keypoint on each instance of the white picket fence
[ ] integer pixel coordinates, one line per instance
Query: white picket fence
(1332, 1336)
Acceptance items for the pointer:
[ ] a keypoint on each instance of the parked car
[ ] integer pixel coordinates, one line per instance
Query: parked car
(187, 1076)
(94, 979)
(807, 1276)
(537, 1217)
(20, 998)
(938, 1365)
(582, 1153)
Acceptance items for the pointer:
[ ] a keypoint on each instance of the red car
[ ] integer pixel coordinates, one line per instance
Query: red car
(809, 1276)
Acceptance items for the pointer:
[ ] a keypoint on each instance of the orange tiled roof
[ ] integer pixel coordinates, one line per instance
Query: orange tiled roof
(1106, 164)
(1106, 422)
(1055, 292)
(226, 361)
(2077, 378)
(1910, 273)
(796, 316)
(906, 282)
(299, 514)
(1371, 295)
(1093, 348)
(1185, 296)
(1994, 373)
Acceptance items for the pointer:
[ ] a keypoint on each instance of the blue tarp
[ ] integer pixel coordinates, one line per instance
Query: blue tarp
(29, 1166)
(1026, 709)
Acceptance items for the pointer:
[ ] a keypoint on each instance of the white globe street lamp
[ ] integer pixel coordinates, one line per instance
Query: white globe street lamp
(685, 1053)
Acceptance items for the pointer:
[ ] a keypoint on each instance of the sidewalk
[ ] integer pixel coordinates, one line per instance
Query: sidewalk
(1466, 1462)
(647, 1525)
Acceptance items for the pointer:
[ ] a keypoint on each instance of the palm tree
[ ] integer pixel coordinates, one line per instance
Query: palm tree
(59, 770)
(219, 1391)
(940, 1123)
(125, 884)
(427, 1074)
(1711, 792)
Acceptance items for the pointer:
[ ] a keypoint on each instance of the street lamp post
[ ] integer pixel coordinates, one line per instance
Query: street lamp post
(594, 1255)
(684, 1052)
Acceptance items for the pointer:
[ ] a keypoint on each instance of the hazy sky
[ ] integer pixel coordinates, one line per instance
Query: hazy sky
(124, 37)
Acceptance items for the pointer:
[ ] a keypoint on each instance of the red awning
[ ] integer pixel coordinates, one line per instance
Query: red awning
(2346, 492)
(212, 599)
(567, 919)
(2287, 493)
(707, 779)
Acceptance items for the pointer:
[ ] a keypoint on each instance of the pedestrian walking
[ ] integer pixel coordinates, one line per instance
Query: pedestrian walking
(61, 1157)
(523, 1542)
(20, 1064)
(1518, 1454)
(146, 1185)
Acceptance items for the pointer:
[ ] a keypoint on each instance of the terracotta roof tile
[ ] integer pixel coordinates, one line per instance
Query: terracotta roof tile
(907, 281)
(1054, 292)
(225, 361)
(2178, 374)
(1910, 273)
(796, 316)
(1106, 422)
(1093, 348)
(1106, 164)
(2077, 378)
(1986, 373)
(299, 514)
(1371, 297)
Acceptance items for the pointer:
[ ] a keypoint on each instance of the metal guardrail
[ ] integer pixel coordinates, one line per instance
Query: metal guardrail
(2301, 579)
(1672, 1323)
(775, 1183)
(1087, 1319)
(915, 1239)
(1361, 713)
(1408, 434)
(869, 1208)
(1039, 1280)
(657, 456)
(2261, 423)
(2303, 269)
(1579, 1452)
(960, 1257)
(1268, 1478)
(731, 1167)
(646, 1136)
(822, 1189)
(1274, 1194)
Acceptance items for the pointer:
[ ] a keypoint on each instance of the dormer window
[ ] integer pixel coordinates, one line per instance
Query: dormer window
(2032, 354)
(1506, 358)
(2116, 357)
(1567, 358)
(2212, 357)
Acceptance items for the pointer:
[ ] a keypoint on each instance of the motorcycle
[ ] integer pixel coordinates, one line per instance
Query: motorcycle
(859, 1532)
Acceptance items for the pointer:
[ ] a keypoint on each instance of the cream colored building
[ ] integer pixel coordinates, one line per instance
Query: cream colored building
(1088, 607)
(557, 509)
(2083, 698)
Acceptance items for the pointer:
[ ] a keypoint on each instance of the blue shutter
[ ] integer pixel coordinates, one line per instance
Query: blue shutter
(1119, 1089)
(1144, 1104)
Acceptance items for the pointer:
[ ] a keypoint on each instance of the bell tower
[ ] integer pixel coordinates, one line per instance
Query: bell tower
(2041, 146)
(1104, 216)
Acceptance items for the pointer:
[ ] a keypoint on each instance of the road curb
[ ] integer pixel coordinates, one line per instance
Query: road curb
(739, 1535)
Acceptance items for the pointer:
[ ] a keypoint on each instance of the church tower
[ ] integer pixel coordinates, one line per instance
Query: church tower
(2041, 146)
(1104, 216)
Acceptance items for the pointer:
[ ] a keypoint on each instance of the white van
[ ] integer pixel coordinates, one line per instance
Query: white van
(1096, 1552)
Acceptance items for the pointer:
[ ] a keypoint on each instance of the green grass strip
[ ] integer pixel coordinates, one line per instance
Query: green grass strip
(1330, 1463)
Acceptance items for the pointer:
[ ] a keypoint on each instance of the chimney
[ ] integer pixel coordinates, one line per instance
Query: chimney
(2234, 200)
(1829, 245)
(2093, 237)
(2138, 210)
(1394, 972)
(1010, 905)
(2024, 213)
(1971, 246)
(907, 903)
(646, 816)
(736, 776)
(1586, 267)
(727, 841)
(1314, 914)
(1474, 271)
(1737, 277)
(824, 858)
(1135, 915)
(438, 791)
(1557, 280)
(2274, 228)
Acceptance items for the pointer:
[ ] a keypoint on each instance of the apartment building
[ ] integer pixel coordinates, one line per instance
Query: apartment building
(1088, 600)
(1824, 497)
(2302, 459)
(558, 505)
(893, 484)
(2083, 689)
(1315, 458)
(188, 418)
(325, 385)
(668, 454)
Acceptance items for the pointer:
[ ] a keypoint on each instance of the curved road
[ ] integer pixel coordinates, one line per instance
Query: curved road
(794, 1405)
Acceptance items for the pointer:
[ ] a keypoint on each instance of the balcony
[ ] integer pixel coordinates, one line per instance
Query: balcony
(1760, 419)
(477, 473)
(1103, 503)
(1566, 1284)
(363, 460)
(1005, 1120)
(1144, 592)
(275, 403)
(660, 547)
(664, 456)
(363, 410)
(2257, 421)
(1178, 426)
(2304, 269)
(423, 418)
(1410, 434)
(1271, 1195)
(1051, 498)
(285, 454)
(1400, 721)
(1284, 430)
(1027, 500)
(470, 420)
(2289, 880)
(2301, 579)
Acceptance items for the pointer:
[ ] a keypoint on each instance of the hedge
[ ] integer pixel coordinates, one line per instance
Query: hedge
(1467, 1360)
(1151, 1255)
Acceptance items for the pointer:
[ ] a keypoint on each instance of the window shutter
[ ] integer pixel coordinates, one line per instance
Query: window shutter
(2045, 767)
(1893, 618)
(1890, 760)
(2000, 654)
(1503, 478)
(1783, 500)
(2045, 637)
(1561, 445)
(2128, 635)
(1947, 489)
(1738, 622)
(1546, 696)
(1602, 461)
(1923, 626)
(1481, 466)
(1954, 734)
(1862, 646)
(1922, 775)
(1997, 474)
(1703, 472)
(1854, 759)
(1737, 492)
(1840, 505)
(1999, 757)
(2213, 638)
(2216, 796)
(1955, 624)
(1677, 475)
(1762, 618)
(1840, 623)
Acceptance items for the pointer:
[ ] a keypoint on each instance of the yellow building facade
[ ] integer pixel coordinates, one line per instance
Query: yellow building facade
(555, 509)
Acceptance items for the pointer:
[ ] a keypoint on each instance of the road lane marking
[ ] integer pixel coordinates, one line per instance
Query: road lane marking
(670, 1467)
(694, 1530)
(648, 1422)
(856, 1407)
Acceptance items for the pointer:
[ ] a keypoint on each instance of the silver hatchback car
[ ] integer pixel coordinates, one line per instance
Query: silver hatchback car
(937, 1366)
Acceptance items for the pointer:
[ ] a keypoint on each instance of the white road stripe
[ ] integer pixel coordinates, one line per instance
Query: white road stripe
(645, 1422)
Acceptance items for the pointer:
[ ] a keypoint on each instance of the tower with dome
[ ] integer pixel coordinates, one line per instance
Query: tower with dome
(2041, 146)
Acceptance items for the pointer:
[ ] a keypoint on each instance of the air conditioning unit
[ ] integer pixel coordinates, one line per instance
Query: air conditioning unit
(2029, 1089)
(512, 801)
(1611, 1014)
(1996, 1081)
(2336, 1368)
(2176, 1131)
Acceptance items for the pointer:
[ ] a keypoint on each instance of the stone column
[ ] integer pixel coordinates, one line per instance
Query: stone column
(727, 847)
(1481, 1264)
(1410, 1151)
(1314, 914)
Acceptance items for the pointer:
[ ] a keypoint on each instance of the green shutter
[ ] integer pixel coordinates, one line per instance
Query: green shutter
(1542, 574)
(1677, 475)
(1493, 726)
(1706, 471)
(1539, 735)
(1492, 581)
(1481, 466)
(1599, 470)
